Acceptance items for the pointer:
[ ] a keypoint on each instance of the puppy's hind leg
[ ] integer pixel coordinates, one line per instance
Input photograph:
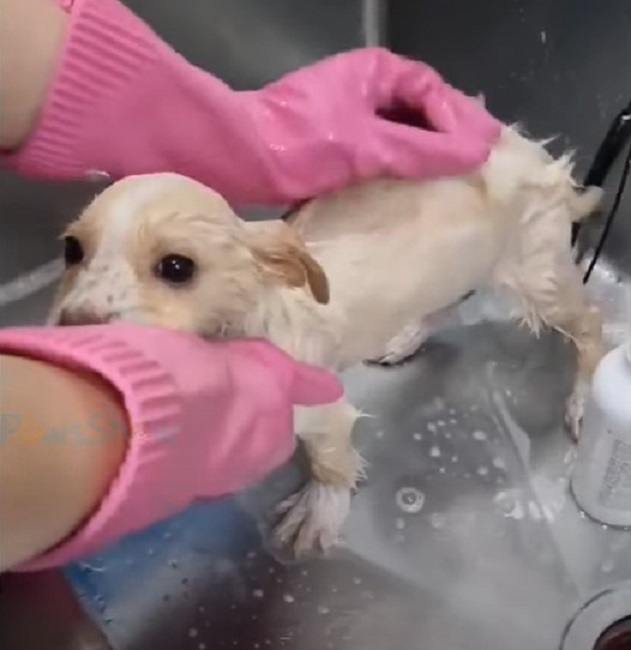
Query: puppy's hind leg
(553, 295)
(312, 518)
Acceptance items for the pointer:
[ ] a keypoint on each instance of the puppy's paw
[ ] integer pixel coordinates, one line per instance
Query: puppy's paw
(403, 346)
(574, 409)
(311, 519)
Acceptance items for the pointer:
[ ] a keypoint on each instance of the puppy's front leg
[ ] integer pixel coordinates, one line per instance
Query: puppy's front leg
(313, 517)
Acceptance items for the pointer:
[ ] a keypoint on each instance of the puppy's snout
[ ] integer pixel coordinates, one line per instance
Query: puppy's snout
(68, 317)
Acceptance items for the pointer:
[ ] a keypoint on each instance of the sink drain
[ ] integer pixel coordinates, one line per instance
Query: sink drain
(616, 636)
(603, 623)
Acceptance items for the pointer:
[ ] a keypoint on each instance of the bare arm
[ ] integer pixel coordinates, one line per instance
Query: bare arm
(31, 38)
(62, 438)
(51, 479)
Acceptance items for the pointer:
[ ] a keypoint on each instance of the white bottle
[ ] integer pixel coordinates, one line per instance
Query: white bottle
(601, 479)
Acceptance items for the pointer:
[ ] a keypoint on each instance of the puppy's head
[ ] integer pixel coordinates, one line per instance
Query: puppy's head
(165, 250)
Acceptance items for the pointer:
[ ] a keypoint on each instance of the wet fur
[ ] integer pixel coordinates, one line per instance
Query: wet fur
(361, 274)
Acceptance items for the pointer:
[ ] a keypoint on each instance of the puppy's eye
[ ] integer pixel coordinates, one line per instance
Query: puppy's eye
(73, 251)
(176, 269)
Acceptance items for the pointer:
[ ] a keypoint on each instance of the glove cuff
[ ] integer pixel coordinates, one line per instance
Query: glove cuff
(153, 403)
(106, 47)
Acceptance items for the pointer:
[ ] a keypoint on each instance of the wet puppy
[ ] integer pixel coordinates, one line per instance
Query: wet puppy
(361, 274)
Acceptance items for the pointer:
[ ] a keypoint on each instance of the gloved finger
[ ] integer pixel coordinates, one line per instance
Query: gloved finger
(311, 386)
(306, 385)
(472, 115)
(425, 154)
(415, 86)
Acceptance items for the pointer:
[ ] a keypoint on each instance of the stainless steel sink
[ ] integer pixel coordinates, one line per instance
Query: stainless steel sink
(465, 535)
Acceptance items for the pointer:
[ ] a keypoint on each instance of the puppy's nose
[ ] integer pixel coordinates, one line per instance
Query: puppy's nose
(69, 317)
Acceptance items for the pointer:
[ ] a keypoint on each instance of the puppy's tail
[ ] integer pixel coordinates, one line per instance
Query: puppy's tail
(585, 203)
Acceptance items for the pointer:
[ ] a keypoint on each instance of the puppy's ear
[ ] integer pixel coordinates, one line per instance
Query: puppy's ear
(284, 255)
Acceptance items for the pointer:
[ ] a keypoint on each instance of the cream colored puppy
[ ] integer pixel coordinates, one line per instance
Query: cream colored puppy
(380, 264)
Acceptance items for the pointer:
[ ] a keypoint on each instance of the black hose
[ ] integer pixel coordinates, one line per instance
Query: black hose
(617, 136)
(610, 217)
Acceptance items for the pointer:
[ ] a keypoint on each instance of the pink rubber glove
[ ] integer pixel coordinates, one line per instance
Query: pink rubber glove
(123, 102)
(207, 419)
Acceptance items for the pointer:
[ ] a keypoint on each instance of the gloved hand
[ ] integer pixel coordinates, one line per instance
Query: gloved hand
(207, 419)
(123, 102)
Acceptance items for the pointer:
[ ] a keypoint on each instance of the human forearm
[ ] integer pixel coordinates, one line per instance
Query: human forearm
(31, 38)
(63, 437)
(205, 420)
(123, 102)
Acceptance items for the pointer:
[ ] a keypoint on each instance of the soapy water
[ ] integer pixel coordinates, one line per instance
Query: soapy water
(509, 504)
(437, 520)
(410, 500)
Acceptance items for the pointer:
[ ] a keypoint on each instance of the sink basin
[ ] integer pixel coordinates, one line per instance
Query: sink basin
(465, 535)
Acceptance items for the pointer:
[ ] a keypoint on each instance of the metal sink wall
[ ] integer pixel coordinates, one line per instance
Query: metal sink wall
(464, 537)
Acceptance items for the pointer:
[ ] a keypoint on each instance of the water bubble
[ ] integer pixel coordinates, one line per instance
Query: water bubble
(417, 436)
(434, 452)
(323, 609)
(400, 523)
(479, 435)
(357, 581)
(288, 598)
(509, 505)
(442, 470)
(454, 459)
(437, 520)
(534, 511)
(431, 427)
(201, 646)
(441, 423)
(379, 434)
(607, 566)
(410, 500)
(483, 471)
(193, 632)
(498, 462)
(258, 593)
